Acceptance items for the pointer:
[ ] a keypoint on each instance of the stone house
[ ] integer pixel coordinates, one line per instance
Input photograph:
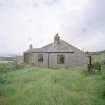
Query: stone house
(58, 54)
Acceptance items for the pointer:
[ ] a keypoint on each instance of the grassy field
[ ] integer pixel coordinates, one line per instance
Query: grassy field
(42, 86)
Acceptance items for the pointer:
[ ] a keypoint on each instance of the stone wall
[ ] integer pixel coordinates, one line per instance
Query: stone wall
(50, 60)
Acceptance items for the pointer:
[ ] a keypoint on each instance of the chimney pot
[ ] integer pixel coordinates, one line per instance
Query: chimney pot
(30, 46)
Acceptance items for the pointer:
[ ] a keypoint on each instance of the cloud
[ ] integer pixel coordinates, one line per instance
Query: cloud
(79, 22)
(52, 2)
(83, 26)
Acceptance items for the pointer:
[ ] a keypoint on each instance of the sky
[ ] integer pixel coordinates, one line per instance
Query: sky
(79, 22)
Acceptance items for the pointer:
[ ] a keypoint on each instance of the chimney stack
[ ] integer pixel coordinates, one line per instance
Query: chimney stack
(30, 46)
(56, 39)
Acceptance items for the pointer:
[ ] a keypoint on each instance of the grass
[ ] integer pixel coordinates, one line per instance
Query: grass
(43, 86)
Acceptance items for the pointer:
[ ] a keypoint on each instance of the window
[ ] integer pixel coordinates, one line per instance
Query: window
(40, 58)
(60, 59)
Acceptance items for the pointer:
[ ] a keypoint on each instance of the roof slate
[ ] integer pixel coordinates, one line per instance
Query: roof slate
(61, 47)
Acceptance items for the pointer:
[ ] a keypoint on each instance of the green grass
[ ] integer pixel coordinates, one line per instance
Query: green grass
(42, 86)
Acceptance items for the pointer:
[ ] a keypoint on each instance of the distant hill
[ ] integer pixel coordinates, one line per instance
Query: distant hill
(12, 58)
(97, 56)
(7, 58)
(97, 52)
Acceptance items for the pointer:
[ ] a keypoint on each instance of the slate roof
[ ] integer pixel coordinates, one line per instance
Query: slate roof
(61, 47)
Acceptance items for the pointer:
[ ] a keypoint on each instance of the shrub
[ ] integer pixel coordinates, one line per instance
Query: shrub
(97, 66)
(17, 65)
(11, 66)
(5, 67)
(101, 90)
(2, 80)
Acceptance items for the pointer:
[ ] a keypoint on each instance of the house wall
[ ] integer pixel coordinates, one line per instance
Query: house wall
(26, 57)
(71, 60)
(50, 60)
(34, 59)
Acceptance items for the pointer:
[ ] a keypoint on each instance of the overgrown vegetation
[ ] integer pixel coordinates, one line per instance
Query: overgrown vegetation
(6, 67)
(25, 85)
(96, 66)
(21, 84)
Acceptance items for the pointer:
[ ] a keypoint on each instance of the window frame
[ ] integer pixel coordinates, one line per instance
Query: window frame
(40, 58)
(60, 59)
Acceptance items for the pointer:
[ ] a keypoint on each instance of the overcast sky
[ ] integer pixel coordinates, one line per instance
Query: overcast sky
(79, 22)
